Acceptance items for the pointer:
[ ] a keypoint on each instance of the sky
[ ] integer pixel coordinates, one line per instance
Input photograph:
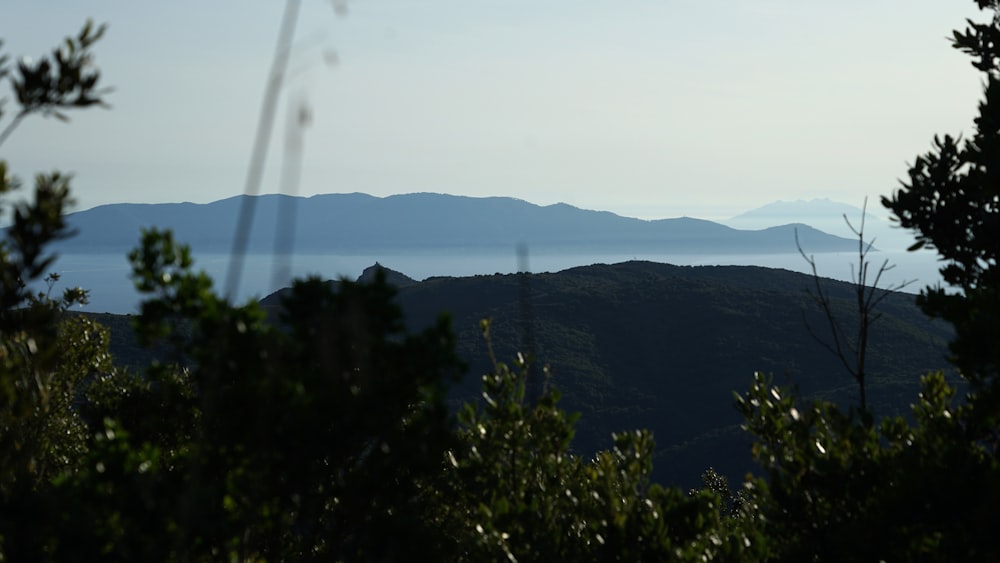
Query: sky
(646, 108)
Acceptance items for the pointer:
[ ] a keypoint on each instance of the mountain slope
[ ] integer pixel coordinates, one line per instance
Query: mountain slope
(646, 345)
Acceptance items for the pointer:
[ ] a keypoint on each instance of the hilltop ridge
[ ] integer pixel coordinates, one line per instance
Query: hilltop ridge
(649, 345)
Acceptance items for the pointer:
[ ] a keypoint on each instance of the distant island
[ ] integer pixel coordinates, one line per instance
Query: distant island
(827, 216)
(359, 223)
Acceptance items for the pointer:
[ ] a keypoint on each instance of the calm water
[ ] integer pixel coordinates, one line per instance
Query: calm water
(111, 290)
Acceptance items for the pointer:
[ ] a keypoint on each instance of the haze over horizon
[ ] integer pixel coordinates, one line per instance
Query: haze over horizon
(645, 109)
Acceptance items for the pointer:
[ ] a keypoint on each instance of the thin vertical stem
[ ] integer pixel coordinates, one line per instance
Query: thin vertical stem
(258, 155)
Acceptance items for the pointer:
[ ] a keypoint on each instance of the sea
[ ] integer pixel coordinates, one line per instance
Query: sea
(107, 276)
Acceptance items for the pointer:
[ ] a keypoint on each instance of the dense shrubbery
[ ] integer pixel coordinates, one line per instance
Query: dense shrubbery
(326, 437)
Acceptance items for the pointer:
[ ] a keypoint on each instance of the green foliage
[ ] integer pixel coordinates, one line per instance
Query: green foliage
(739, 503)
(309, 441)
(842, 488)
(46, 359)
(43, 359)
(951, 199)
(41, 434)
(345, 408)
(515, 491)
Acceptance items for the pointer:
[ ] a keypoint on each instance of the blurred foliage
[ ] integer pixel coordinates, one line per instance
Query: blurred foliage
(66, 79)
(46, 360)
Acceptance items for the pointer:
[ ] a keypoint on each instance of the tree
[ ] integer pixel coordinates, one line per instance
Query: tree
(514, 490)
(348, 412)
(308, 440)
(43, 358)
(46, 358)
(951, 200)
(842, 488)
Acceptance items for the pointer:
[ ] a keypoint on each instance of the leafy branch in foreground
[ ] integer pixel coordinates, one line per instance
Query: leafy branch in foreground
(833, 482)
(46, 359)
(514, 490)
(66, 79)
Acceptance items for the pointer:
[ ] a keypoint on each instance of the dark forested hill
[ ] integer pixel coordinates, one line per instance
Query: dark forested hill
(647, 345)
(353, 223)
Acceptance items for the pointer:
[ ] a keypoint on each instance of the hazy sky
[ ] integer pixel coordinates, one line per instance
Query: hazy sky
(648, 108)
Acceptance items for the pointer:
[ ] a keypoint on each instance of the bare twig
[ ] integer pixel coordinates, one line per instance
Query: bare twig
(853, 355)
(532, 383)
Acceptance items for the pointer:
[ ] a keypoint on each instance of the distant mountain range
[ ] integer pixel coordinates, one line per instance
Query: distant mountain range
(356, 223)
